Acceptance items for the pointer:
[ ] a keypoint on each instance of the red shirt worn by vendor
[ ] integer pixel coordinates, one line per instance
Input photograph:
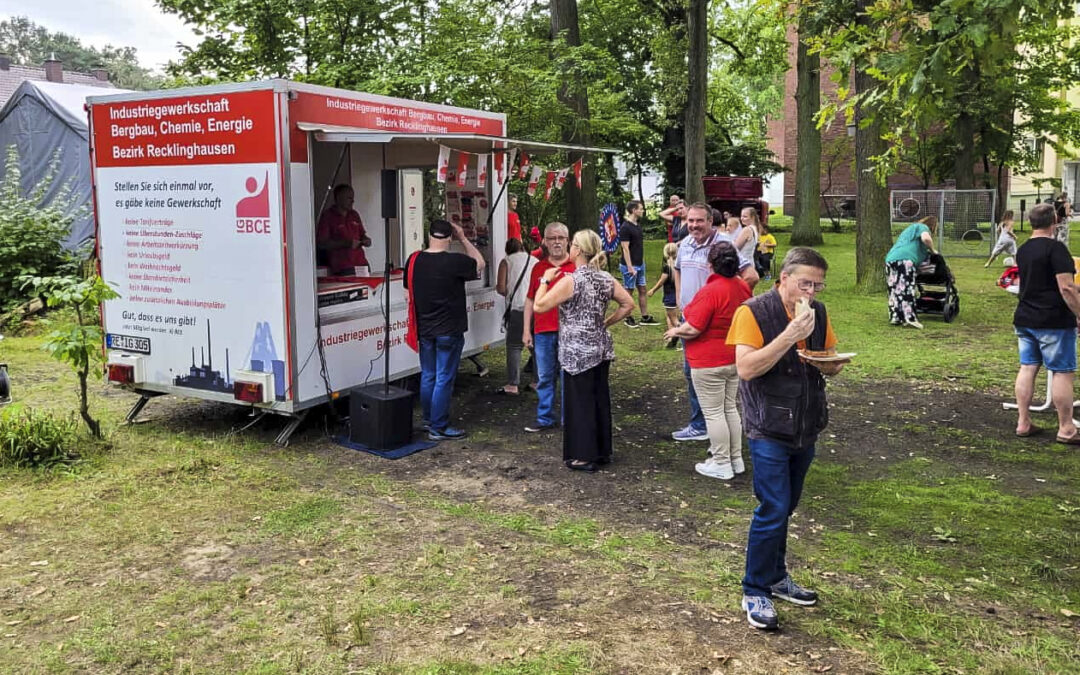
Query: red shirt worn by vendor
(341, 234)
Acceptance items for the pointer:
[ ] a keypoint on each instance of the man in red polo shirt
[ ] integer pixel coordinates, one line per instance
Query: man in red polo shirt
(545, 342)
(513, 221)
(341, 234)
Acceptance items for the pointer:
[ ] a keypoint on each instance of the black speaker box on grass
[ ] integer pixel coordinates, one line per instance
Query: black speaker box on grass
(380, 417)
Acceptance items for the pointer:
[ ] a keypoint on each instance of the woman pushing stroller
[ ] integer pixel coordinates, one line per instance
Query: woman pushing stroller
(912, 248)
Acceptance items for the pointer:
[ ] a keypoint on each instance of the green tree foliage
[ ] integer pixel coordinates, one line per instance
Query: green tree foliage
(504, 58)
(80, 345)
(30, 44)
(32, 232)
(984, 74)
(748, 59)
(968, 80)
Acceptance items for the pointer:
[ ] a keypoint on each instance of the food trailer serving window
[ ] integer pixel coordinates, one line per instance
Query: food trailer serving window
(353, 161)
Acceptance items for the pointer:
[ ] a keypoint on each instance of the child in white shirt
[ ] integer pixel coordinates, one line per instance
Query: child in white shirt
(1006, 241)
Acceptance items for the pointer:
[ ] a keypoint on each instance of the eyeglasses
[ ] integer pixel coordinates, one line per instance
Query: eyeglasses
(807, 285)
(556, 238)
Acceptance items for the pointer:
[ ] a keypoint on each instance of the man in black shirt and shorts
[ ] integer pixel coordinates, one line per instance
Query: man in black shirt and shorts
(435, 279)
(633, 261)
(1045, 323)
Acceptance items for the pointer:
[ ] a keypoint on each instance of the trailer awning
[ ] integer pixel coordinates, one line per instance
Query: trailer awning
(475, 143)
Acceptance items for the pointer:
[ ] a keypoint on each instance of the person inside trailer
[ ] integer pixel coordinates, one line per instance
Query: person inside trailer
(340, 237)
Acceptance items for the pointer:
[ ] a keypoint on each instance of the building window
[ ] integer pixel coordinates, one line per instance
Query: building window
(1035, 147)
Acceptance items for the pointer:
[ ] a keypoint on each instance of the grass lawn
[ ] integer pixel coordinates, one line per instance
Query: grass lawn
(938, 540)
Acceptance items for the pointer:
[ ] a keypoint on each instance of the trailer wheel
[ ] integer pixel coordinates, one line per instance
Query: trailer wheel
(5, 385)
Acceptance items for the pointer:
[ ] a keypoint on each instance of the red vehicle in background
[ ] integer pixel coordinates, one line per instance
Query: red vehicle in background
(734, 193)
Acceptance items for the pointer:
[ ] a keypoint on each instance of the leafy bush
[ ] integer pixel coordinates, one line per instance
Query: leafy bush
(30, 438)
(32, 232)
(80, 346)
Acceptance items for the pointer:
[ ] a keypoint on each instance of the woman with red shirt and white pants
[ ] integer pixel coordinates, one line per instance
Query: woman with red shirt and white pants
(712, 360)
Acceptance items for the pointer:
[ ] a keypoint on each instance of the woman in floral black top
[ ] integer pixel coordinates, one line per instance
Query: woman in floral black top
(585, 348)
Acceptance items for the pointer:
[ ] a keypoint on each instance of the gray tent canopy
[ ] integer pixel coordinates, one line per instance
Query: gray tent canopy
(41, 118)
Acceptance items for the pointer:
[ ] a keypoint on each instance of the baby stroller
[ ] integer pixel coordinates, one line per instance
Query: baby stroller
(936, 289)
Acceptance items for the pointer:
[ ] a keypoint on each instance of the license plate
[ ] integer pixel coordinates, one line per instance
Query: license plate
(127, 343)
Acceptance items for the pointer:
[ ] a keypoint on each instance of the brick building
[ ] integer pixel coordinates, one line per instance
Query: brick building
(837, 151)
(12, 75)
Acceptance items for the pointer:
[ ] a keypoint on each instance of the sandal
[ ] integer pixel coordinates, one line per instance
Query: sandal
(1032, 431)
(1071, 440)
(502, 392)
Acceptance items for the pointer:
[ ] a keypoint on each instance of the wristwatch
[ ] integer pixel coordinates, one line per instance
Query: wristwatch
(544, 281)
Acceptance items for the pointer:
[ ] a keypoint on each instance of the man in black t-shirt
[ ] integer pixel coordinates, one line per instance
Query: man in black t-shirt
(633, 261)
(1045, 323)
(435, 279)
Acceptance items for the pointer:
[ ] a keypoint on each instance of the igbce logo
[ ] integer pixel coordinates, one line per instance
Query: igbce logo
(253, 211)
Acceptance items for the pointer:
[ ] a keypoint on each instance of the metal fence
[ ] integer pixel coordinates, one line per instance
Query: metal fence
(965, 218)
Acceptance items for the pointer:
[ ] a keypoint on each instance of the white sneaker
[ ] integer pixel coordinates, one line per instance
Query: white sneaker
(737, 465)
(714, 469)
(914, 323)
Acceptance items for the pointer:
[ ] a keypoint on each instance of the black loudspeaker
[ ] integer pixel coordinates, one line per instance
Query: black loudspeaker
(380, 417)
(389, 193)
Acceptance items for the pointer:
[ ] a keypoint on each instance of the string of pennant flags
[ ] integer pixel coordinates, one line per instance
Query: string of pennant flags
(553, 179)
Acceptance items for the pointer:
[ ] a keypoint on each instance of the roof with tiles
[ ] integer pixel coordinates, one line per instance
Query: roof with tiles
(14, 75)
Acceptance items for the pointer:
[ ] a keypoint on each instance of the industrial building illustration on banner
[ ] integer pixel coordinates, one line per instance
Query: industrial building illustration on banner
(262, 357)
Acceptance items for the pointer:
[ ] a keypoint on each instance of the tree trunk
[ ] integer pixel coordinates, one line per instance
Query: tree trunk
(697, 61)
(964, 159)
(806, 227)
(964, 214)
(581, 210)
(640, 180)
(84, 406)
(999, 190)
(873, 229)
(673, 159)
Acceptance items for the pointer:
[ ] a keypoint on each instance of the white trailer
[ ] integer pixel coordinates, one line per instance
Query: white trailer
(206, 202)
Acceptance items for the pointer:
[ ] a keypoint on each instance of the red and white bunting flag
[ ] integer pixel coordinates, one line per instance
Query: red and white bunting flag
(481, 171)
(499, 159)
(549, 184)
(511, 154)
(560, 178)
(444, 163)
(524, 166)
(462, 168)
(534, 180)
(577, 172)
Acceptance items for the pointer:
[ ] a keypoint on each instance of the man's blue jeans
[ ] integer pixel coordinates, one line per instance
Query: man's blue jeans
(778, 482)
(697, 418)
(439, 358)
(546, 350)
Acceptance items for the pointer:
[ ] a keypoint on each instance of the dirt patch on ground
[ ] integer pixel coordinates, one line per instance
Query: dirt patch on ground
(208, 562)
(647, 489)
(874, 425)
